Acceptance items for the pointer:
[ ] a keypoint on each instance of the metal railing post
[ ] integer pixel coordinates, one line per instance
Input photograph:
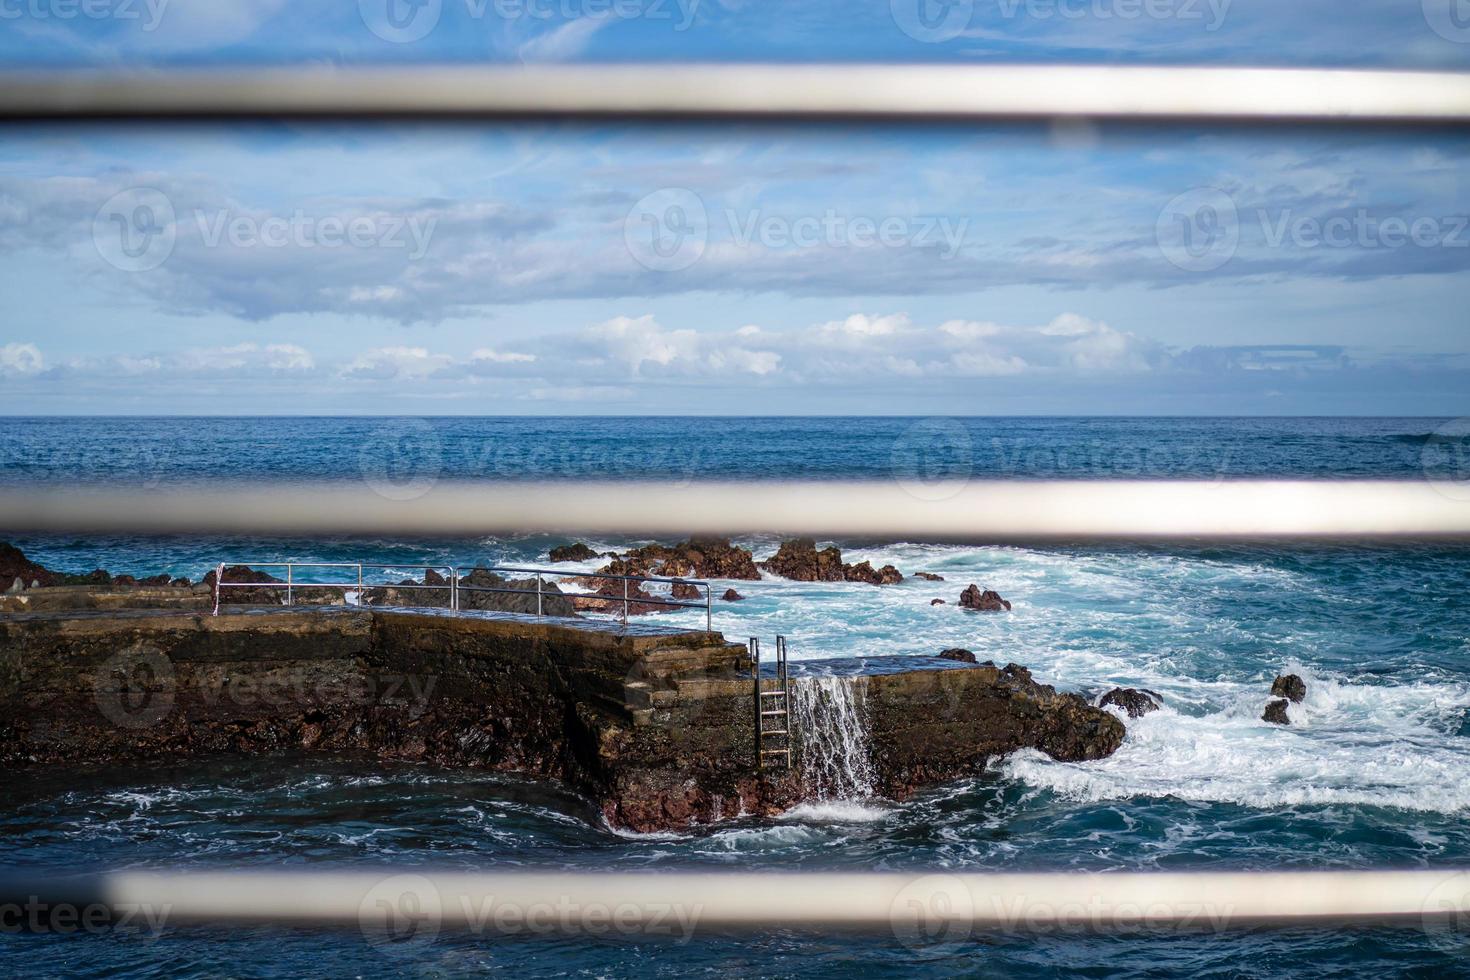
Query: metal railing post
(625, 602)
(219, 577)
(289, 568)
(359, 582)
(454, 588)
(538, 595)
(708, 611)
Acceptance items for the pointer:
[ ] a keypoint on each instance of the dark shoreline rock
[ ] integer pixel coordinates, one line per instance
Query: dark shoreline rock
(929, 576)
(705, 558)
(577, 551)
(987, 601)
(958, 654)
(656, 730)
(1289, 686)
(1275, 712)
(800, 561)
(1134, 702)
(732, 596)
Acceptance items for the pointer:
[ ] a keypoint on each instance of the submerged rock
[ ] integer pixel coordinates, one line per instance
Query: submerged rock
(986, 601)
(937, 602)
(959, 654)
(800, 561)
(1275, 712)
(576, 551)
(732, 596)
(929, 576)
(1135, 702)
(1289, 686)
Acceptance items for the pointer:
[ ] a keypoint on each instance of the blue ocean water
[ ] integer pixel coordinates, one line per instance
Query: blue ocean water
(1374, 771)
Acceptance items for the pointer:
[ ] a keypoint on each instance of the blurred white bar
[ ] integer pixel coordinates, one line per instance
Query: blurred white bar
(910, 904)
(896, 510)
(893, 92)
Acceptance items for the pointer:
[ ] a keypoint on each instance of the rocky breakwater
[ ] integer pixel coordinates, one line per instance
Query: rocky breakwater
(655, 729)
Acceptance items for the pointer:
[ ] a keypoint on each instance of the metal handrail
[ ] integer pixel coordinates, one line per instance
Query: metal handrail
(455, 584)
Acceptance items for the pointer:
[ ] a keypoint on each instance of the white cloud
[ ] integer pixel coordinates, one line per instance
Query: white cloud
(502, 357)
(21, 359)
(382, 363)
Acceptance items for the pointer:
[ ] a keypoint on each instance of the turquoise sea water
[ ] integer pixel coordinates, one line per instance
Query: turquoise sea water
(1374, 772)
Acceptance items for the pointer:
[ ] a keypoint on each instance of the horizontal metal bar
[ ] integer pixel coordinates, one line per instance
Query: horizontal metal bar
(695, 91)
(652, 600)
(917, 907)
(957, 510)
(563, 573)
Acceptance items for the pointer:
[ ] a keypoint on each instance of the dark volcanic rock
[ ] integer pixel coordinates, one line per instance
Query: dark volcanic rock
(553, 602)
(864, 572)
(1289, 686)
(937, 602)
(800, 561)
(732, 596)
(959, 654)
(252, 597)
(929, 576)
(573, 552)
(987, 601)
(640, 602)
(1275, 712)
(162, 579)
(656, 730)
(683, 590)
(695, 558)
(15, 565)
(1136, 703)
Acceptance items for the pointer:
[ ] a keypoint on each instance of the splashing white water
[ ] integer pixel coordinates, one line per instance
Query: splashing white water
(833, 736)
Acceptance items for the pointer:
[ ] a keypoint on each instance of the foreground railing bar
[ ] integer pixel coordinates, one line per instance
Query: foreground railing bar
(957, 511)
(298, 586)
(757, 91)
(912, 906)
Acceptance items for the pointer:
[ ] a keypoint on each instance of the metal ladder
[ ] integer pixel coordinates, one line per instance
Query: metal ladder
(773, 708)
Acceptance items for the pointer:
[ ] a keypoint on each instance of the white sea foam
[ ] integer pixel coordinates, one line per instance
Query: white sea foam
(836, 811)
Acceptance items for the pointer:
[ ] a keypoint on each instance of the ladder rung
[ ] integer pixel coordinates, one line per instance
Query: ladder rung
(774, 731)
(773, 694)
(767, 714)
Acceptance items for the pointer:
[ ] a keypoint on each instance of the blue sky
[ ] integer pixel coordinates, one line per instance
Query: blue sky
(538, 269)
